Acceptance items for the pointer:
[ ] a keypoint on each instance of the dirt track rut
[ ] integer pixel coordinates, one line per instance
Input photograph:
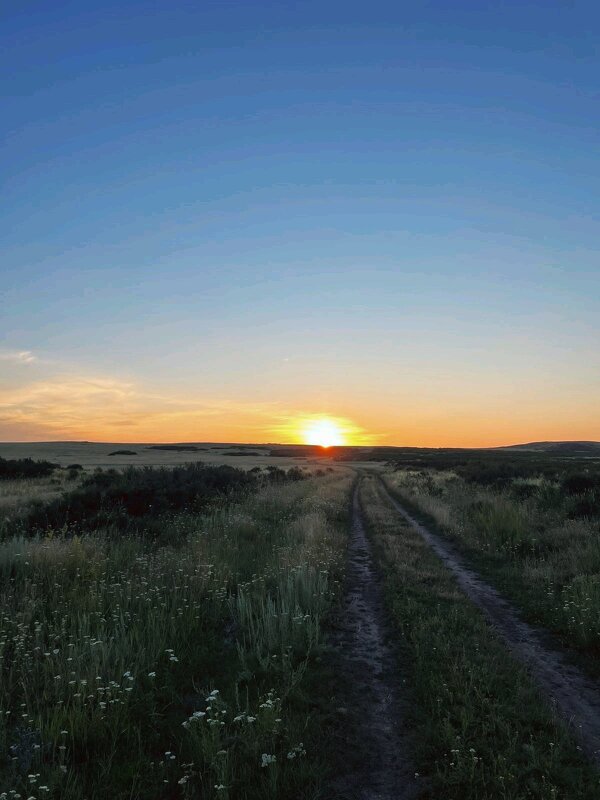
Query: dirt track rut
(374, 743)
(575, 698)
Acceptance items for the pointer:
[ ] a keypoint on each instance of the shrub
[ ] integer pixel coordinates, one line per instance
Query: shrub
(25, 468)
(580, 483)
(123, 498)
(138, 497)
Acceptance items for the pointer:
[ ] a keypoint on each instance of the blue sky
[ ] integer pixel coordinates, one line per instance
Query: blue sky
(385, 212)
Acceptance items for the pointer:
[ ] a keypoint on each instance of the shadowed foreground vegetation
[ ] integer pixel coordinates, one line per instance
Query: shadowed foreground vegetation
(136, 669)
(17, 468)
(139, 498)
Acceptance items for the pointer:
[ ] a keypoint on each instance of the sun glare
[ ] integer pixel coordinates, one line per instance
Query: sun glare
(323, 432)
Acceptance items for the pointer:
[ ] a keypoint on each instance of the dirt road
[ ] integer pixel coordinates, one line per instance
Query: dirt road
(575, 698)
(374, 744)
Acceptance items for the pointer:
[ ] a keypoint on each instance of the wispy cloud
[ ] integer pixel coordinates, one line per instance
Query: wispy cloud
(105, 408)
(18, 356)
(109, 409)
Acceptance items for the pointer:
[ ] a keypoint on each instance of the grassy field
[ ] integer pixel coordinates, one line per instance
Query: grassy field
(164, 628)
(99, 454)
(17, 495)
(537, 538)
(483, 731)
(131, 669)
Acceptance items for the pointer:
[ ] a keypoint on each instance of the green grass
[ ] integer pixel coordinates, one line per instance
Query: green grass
(134, 670)
(483, 732)
(543, 558)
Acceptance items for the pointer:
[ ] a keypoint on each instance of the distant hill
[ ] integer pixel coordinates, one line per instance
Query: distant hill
(558, 448)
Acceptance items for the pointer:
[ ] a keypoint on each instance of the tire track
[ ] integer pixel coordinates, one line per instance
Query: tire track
(574, 697)
(373, 745)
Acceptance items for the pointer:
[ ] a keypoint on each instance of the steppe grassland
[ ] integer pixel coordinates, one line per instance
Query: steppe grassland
(17, 495)
(543, 559)
(132, 670)
(99, 454)
(483, 732)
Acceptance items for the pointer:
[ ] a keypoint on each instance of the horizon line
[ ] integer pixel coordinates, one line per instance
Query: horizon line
(302, 444)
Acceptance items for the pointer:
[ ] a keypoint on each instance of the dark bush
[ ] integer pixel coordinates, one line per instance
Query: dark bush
(123, 498)
(177, 448)
(276, 474)
(138, 496)
(11, 469)
(580, 482)
(586, 504)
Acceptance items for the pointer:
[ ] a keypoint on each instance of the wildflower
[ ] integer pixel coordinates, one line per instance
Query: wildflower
(267, 759)
(152, 674)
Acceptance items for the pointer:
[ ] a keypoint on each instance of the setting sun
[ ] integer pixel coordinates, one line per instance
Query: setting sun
(323, 432)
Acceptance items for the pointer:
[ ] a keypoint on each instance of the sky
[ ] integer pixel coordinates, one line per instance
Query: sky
(224, 221)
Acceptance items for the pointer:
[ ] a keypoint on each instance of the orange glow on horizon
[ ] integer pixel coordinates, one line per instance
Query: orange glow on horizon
(106, 409)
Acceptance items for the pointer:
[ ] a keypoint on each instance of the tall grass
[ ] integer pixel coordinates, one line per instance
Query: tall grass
(527, 542)
(482, 731)
(18, 495)
(131, 669)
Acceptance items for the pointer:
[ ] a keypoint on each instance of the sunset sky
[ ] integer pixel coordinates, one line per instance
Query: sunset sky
(226, 220)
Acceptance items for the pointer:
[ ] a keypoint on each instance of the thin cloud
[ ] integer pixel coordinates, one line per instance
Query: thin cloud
(108, 409)
(18, 356)
(99, 407)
